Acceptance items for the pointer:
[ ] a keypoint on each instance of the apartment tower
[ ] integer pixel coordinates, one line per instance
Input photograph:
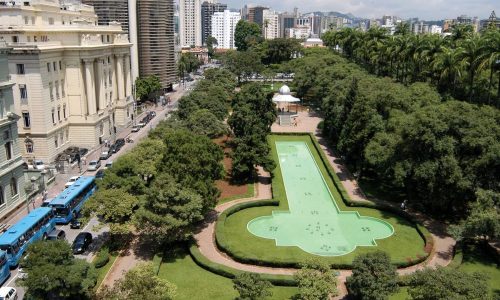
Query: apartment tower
(207, 11)
(156, 40)
(223, 27)
(190, 22)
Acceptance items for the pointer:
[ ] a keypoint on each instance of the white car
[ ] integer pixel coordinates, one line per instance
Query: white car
(39, 165)
(8, 293)
(94, 165)
(71, 181)
(108, 165)
(136, 128)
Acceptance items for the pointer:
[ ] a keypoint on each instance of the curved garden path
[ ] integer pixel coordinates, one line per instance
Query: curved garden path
(441, 255)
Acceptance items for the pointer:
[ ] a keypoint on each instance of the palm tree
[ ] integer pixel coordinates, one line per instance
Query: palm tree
(470, 57)
(402, 28)
(489, 57)
(449, 65)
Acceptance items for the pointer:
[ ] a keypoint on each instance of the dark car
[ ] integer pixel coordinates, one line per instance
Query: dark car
(71, 150)
(56, 234)
(83, 151)
(82, 242)
(75, 224)
(99, 174)
(118, 145)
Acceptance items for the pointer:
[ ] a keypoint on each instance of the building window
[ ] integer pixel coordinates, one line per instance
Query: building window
(105, 81)
(54, 65)
(51, 21)
(33, 20)
(57, 89)
(6, 135)
(13, 187)
(109, 60)
(2, 200)
(64, 111)
(48, 67)
(8, 150)
(23, 91)
(63, 93)
(101, 129)
(29, 147)
(53, 117)
(60, 65)
(26, 119)
(26, 20)
(110, 79)
(56, 143)
(51, 91)
(20, 69)
(110, 96)
(15, 39)
(59, 114)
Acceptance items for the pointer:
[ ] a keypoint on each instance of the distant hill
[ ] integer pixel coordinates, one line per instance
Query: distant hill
(337, 14)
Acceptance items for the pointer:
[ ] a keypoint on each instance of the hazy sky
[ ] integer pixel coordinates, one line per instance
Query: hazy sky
(424, 9)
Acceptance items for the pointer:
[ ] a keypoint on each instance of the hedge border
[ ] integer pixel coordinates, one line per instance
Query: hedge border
(228, 272)
(220, 237)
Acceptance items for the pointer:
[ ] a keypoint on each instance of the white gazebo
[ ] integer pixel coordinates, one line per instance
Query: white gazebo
(283, 100)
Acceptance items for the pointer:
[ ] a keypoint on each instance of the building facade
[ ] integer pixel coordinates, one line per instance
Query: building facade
(287, 20)
(123, 12)
(156, 40)
(207, 11)
(12, 192)
(190, 22)
(271, 25)
(72, 77)
(223, 27)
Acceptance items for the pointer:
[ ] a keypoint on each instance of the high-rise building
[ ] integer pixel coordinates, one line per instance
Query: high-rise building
(190, 22)
(156, 40)
(493, 21)
(207, 11)
(287, 20)
(223, 26)
(254, 13)
(12, 191)
(72, 77)
(271, 25)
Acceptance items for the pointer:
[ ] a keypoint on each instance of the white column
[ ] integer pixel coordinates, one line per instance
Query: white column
(113, 79)
(120, 76)
(128, 82)
(89, 84)
(102, 100)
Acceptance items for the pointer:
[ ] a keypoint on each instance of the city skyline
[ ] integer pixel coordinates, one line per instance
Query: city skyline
(432, 10)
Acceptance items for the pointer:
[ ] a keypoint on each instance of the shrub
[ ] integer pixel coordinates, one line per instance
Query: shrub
(102, 258)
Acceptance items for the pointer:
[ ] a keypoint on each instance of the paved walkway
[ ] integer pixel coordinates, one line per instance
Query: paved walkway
(307, 122)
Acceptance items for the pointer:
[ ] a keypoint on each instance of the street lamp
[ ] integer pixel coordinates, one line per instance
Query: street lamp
(28, 198)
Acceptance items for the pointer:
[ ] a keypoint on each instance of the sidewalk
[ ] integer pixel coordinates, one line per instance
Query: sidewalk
(57, 186)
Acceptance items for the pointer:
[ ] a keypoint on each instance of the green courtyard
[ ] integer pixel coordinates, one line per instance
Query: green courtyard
(397, 236)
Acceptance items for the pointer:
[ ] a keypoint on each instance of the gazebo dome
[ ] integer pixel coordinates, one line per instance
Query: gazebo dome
(284, 90)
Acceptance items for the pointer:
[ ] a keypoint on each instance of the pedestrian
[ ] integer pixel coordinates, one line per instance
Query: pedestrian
(44, 195)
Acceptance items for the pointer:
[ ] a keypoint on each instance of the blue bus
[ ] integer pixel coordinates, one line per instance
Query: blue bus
(4, 267)
(35, 226)
(69, 202)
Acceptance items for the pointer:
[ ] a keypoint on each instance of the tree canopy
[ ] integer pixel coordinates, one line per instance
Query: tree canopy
(54, 273)
(316, 281)
(246, 34)
(373, 277)
(146, 88)
(251, 287)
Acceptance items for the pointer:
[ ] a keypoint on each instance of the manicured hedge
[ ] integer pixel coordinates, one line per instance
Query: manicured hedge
(221, 238)
(102, 258)
(202, 261)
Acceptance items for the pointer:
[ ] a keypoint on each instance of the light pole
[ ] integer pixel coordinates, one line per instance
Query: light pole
(28, 198)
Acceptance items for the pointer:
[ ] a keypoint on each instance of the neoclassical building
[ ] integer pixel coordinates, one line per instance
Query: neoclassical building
(12, 191)
(72, 77)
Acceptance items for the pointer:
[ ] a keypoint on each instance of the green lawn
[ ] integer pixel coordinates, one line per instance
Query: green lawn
(476, 259)
(194, 282)
(102, 272)
(404, 245)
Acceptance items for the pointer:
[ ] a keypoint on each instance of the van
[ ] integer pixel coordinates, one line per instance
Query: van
(8, 293)
(56, 234)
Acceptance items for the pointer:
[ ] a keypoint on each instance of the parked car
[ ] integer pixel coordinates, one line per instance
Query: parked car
(108, 165)
(99, 174)
(136, 128)
(56, 234)
(71, 181)
(82, 242)
(94, 165)
(39, 165)
(118, 145)
(75, 224)
(8, 293)
(105, 155)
